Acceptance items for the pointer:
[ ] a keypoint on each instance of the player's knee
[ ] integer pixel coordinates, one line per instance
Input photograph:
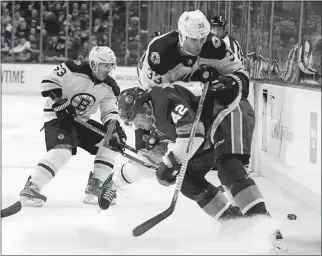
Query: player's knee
(190, 190)
(230, 170)
(59, 156)
(194, 182)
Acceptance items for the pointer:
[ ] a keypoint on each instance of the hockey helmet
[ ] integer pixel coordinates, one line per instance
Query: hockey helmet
(127, 99)
(155, 34)
(218, 21)
(193, 24)
(101, 54)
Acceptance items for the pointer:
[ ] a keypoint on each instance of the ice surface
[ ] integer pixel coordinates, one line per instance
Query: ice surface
(67, 226)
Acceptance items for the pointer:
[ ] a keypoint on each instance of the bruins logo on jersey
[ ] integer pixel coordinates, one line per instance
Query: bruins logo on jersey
(83, 102)
(155, 58)
(216, 41)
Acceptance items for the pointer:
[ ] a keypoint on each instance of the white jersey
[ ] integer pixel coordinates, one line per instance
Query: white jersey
(74, 80)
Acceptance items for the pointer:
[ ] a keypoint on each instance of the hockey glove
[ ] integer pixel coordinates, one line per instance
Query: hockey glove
(167, 175)
(200, 74)
(118, 138)
(223, 83)
(65, 112)
(151, 141)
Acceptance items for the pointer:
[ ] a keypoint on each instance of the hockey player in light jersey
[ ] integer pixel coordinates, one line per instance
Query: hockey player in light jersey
(72, 90)
(218, 28)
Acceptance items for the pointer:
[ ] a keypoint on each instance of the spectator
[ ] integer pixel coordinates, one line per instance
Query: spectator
(133, 46)
(75, 6)
(257, 65)
(4, 48)
(98, 27)
(103, 41)
(34, 17)
(72, 51)
(18, 19)
(83, 9)
(22, 28)
(75, 14)
(300, 60)
(34, 45)
(6, 30)
(83, 51)
(133, 27)
(5, 17)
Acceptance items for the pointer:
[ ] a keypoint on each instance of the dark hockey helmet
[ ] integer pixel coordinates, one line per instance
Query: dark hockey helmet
(127, 99)
(156, 33)
(218, 21)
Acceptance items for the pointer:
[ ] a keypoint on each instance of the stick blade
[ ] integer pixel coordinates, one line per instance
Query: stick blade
(11, 210)
(147, 225)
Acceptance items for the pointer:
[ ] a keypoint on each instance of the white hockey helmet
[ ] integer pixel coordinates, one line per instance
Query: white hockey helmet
(101, 54)
(193, 24)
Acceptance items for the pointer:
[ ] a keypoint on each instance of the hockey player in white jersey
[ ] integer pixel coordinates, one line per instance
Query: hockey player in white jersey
(72, 90)
(218, 27)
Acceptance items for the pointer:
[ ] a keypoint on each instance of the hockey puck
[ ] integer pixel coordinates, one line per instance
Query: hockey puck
(291, 216)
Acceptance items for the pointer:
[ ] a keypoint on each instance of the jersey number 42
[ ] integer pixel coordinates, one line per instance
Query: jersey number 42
(180, 110)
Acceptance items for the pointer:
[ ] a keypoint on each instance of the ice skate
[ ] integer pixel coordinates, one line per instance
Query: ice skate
(233, 212)
(108, 193)
(30, 195)
(92, 191)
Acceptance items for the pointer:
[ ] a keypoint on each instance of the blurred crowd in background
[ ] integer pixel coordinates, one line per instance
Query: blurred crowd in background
(271, 34)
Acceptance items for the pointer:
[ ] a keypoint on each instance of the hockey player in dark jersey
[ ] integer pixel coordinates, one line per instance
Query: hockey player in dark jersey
(77, 89)
(169, 113)
(179, 55)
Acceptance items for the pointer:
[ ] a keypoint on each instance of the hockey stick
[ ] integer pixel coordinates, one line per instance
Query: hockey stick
(128, 156)
(11, 210)
(100, 132)
(147, 225)
(17, 206)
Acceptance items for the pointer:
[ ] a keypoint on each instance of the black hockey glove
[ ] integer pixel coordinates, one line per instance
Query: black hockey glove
(223, 83)
(65, 112)
(200, 74)
(118, 138)
(167, 175)
(151, 141)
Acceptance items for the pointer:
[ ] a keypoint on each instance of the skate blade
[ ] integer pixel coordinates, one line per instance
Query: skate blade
(90, 199)
(27, 202)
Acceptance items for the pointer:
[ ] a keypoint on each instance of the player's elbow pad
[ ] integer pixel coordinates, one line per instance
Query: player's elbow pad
(53, 93)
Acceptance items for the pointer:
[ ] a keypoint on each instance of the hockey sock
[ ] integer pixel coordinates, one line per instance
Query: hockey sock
(104, 163)
(49, 165)
(131, 172)
(213, 202)
(247, 196)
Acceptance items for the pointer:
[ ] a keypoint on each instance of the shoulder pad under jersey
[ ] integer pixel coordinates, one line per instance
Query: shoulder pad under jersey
(163, 53)
(112, 83)
(78, 66)
(214, 48)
